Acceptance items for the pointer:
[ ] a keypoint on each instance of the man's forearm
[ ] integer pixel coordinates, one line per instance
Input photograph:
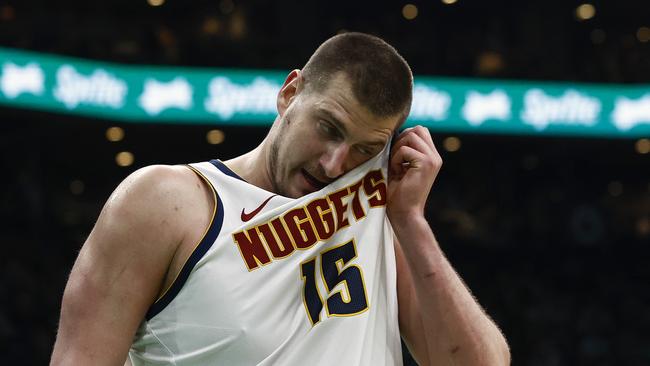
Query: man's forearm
(456, 328)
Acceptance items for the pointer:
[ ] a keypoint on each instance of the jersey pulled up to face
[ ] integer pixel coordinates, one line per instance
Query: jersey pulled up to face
(281, 281)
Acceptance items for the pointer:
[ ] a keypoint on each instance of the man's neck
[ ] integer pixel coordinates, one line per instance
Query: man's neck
(253, 167)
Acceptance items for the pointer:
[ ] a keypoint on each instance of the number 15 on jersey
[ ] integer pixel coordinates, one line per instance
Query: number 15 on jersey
(335, 269)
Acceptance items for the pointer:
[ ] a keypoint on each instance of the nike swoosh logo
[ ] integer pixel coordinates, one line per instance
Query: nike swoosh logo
(247, 216)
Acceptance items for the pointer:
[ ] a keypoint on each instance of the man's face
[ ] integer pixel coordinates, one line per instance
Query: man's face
(322, 135)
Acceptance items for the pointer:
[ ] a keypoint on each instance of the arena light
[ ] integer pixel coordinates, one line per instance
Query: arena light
(451, 144)
(642, 146)
(215, 137)
(489, 63)
(211, 26)
(7, 13)
(114, 134)
(643, 226)
(238, 26)
(449, 2)
(585, 12)
(643, 34)
(410, 11)
(77, 187)
(124, 158)
(155, 2)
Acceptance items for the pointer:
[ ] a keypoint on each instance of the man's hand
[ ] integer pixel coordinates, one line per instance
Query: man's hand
(440, 321)
(414, 165)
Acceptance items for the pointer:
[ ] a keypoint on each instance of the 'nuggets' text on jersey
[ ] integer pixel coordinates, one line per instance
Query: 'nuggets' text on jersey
(302, 227)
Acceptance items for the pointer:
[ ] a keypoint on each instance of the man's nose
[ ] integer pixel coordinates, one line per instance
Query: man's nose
(334, 159)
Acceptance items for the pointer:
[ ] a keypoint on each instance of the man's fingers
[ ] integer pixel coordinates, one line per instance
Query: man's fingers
(405, 157)
(421, 132)
(421, 151)
(413, 140)
(424, 133)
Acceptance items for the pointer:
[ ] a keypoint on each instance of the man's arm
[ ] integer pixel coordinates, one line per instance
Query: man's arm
(440, 320)
(122, 266)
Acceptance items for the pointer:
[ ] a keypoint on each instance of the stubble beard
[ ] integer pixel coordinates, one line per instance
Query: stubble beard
(272, 163)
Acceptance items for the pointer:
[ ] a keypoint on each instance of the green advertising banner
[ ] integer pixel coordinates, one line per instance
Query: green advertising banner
(152, 94)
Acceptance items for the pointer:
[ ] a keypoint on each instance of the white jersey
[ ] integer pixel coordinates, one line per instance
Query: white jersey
(281, 281)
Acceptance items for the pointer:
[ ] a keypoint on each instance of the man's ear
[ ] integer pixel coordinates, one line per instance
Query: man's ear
(290, 89)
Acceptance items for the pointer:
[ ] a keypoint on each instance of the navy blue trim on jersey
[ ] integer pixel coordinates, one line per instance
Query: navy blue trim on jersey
(225, 170)
(200, 250)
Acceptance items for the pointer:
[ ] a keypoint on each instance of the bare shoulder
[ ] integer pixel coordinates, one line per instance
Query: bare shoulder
(122, 265)
(157, 196)
(157, 186)
(144, 216)
(148, 218)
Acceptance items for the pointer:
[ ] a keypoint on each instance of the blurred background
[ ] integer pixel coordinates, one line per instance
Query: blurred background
(551, 233)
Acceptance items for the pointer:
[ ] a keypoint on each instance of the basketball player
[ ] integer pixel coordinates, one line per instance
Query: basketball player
(284, 256)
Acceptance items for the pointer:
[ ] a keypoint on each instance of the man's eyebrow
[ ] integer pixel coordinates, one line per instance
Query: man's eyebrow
(337, 123)
(376, 143)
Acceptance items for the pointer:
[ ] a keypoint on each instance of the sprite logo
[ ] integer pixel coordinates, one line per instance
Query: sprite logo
(479, 107)
(225, 98)
(100, 89)
(16, 80)
(631, 112)
(571, 108)
(429, 103)
(158, 96)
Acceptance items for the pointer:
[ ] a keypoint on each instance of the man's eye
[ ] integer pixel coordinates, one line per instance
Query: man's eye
(327, 128)
(364, 150)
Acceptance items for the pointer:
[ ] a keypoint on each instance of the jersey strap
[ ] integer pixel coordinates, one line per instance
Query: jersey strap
(224, 169)
(199, 251)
